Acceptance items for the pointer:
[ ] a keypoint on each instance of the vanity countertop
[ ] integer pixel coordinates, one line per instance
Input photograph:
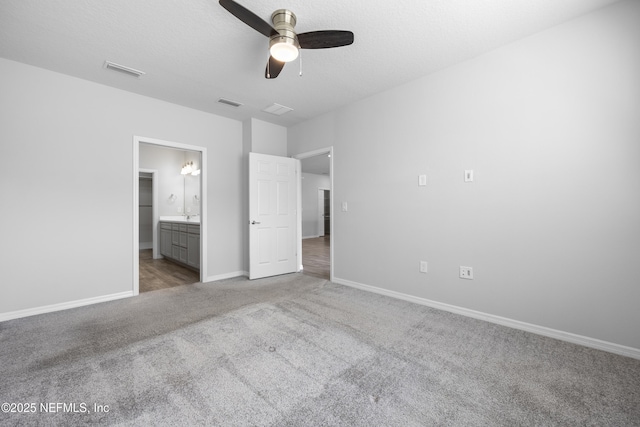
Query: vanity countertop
(181, 218)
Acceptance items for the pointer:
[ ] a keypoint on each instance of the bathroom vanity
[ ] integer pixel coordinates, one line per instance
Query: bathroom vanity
(180, 242)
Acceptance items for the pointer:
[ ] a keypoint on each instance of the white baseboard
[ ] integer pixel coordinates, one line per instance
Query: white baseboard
(310, 237)
(62, 306)
(95, 300)
(225, 276)
(516, 324)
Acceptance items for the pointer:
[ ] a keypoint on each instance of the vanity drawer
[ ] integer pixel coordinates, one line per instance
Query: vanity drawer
(180, 242)
(180, 227)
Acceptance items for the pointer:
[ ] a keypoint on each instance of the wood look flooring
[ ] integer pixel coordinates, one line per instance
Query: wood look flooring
(316, 258)
(160, 274)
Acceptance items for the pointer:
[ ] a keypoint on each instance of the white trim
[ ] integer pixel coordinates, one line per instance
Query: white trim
(310, 237)
(136, 217)
(313, 153)
(62, 306)
(226, 276)
(305, 155)
(511, 323)
(299, 217)
(203, 202)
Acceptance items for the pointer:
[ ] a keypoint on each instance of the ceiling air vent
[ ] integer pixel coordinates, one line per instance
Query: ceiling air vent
(277, 109)
(229, 102)
(122, 69)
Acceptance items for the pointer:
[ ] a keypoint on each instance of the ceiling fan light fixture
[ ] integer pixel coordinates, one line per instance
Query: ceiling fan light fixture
(284, 42)
(283, 49)
(283, 46)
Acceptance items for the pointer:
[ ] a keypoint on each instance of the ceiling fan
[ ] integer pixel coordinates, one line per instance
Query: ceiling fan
(283, 41)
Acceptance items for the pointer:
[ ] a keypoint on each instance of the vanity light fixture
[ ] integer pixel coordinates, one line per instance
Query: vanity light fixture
(189, 169)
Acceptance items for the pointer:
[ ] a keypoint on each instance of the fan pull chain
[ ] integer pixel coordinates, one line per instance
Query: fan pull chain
(269, 68)
(300, 56)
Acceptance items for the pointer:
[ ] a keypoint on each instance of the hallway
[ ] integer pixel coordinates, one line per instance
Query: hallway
(316, 257)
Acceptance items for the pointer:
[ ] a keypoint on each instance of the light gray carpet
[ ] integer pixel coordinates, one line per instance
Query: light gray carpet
(296, 351)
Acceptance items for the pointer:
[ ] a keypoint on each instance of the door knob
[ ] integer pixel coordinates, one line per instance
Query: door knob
(254, 222)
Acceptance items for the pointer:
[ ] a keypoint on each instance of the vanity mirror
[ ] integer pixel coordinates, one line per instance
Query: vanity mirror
(177, 176)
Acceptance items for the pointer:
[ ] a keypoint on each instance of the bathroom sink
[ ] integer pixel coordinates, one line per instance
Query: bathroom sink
(181, 218)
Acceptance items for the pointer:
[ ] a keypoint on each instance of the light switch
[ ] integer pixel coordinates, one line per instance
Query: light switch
(468, 175)
(423, 266)
(422, 180)
(344, 207)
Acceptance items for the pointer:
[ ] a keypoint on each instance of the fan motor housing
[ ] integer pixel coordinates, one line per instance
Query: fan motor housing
(284, 21)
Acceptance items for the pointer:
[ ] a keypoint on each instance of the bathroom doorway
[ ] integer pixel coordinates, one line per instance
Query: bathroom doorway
(176, 175)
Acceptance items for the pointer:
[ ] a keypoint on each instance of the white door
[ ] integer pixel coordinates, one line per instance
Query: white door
(272, 215)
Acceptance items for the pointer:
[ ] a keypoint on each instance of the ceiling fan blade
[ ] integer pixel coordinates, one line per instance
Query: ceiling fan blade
(273, 68)
(325, 39)
(249, 18)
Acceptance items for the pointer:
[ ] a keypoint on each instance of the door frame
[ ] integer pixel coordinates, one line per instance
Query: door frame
(137, 140)
(300, 156)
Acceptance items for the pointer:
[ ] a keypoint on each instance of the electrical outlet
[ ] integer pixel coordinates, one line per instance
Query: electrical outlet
(179, 209)
(423, 266)
(466, 272)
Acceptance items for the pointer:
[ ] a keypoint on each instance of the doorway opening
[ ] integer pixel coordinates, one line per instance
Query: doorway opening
(147, 208)
(316, 206)
(165, 198)
(324, 212)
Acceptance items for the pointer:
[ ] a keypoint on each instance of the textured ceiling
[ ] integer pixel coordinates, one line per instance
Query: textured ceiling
(195, 52)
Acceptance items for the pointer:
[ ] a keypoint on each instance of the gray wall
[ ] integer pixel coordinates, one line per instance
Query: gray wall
(551, 225)
(309, 192)
(66, 157)
(267, 138)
